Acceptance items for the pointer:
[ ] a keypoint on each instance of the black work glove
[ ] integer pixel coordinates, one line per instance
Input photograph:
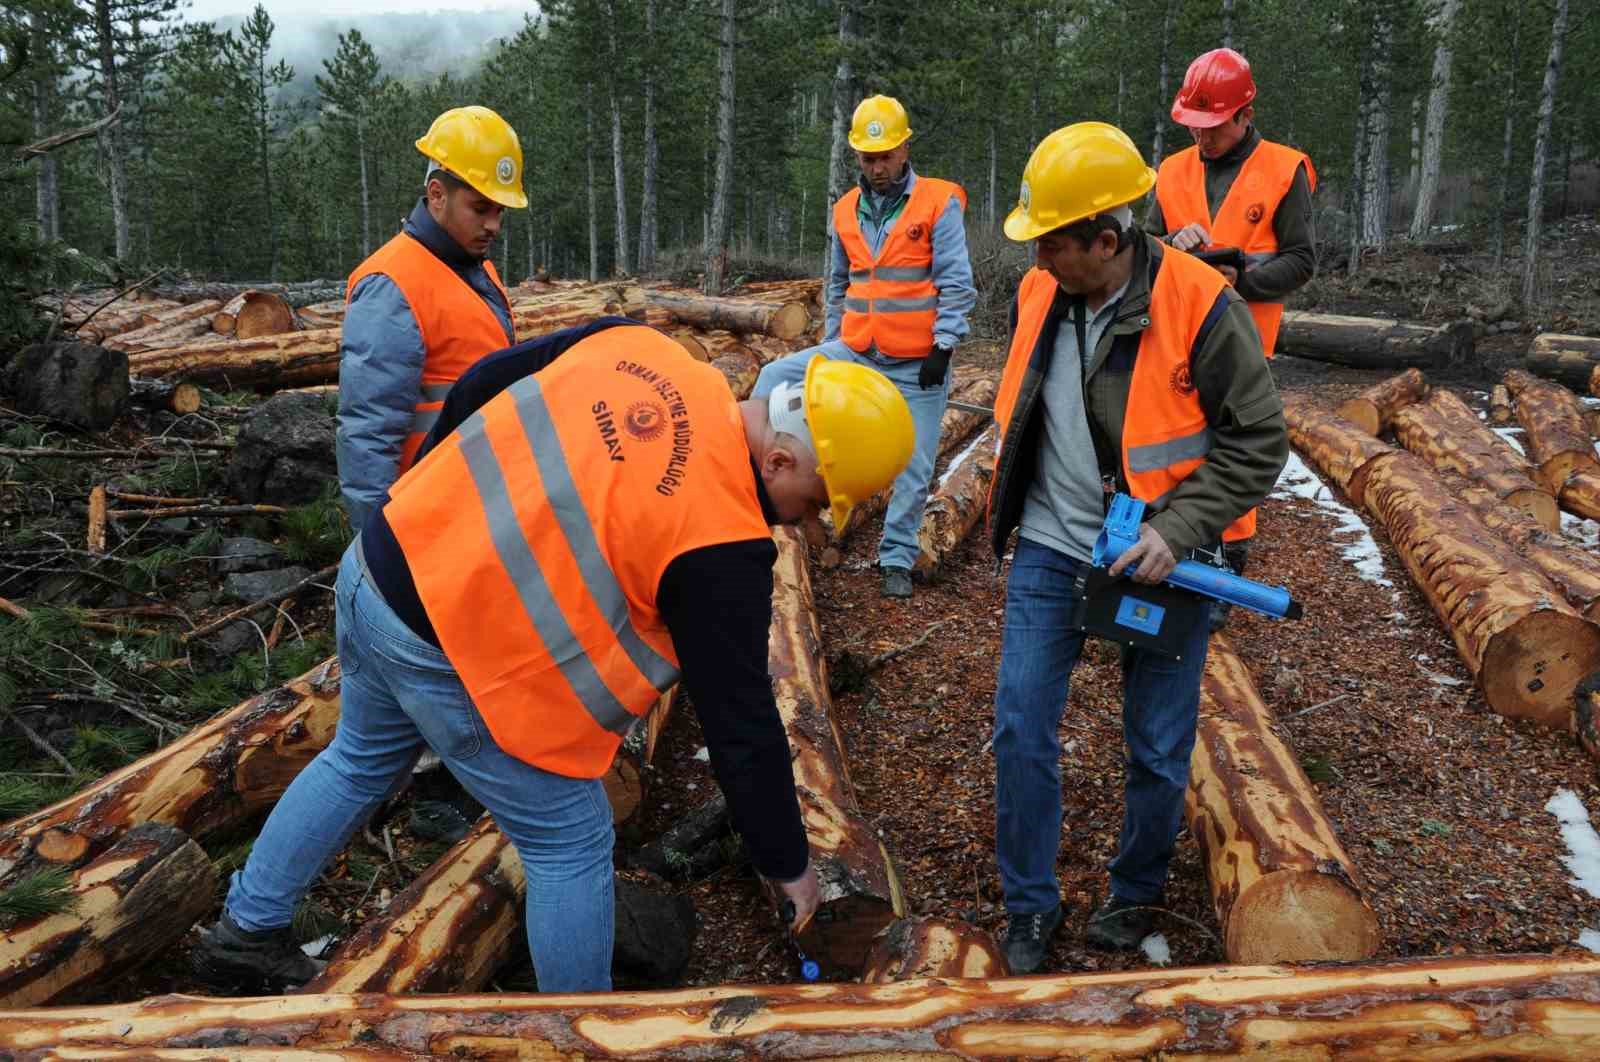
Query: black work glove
(934, 368)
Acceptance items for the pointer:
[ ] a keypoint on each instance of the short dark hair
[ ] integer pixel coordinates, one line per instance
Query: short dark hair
(450, 181)
(1085, 231)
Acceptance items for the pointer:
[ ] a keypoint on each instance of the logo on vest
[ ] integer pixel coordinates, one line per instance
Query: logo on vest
(645, 421)
(914, 232)
(505, 170)
(875, 129)
(607, 424)
(1182, 382)
(1255, 213)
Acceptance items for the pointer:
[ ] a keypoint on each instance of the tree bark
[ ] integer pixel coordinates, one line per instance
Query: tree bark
(1374, 342)
(673, 854)
(860, 887)
(1575, 572)
(118, 318)
(1557, 432)
(1445, 433)
(293, 359)
(238, 763)
(169, 328)
(957, 502)
(111, 135)
(1507, 1007)
(843, 106)
(250, 314)
(1282, 884)
(1586, 715)
(741, 369)
(622, 266)
(1375, 204)
(648, 239)
(721, 203)
(1373, 408)
(1526, 647)
(1443, 24)
(1541, 149)
(1512, 15)
(47, 197)
(594, 214)
(131, 902)
(1580, 494)
(781, 320)
(1568, 360)
(933, 947)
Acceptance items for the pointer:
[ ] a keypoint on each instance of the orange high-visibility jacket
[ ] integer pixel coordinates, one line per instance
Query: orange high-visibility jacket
(457, 326)
(538, 531)
(1245, 220)
(891, 302)
(1164, 435)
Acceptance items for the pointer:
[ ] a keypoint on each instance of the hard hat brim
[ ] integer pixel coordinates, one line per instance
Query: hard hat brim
(880, 144)
(1021, 228)
(1193, 119)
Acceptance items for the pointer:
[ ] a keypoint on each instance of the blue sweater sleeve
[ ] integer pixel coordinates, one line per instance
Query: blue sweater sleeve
(380, 373)
(952, 275)
(838, 280)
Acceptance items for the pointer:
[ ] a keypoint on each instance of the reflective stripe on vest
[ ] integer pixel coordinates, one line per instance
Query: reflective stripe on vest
(537, 534)
(456, 325)
(1245, 217)
(1165, 435)
(891, 303)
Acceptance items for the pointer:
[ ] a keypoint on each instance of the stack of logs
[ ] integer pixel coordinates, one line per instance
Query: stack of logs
(1475, 517)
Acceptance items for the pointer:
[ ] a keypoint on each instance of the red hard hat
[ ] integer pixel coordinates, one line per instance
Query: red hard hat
(1217, 85)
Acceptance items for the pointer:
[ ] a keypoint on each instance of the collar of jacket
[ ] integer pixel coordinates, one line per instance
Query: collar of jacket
(421, 227)
(897, 191)
(1236, 155)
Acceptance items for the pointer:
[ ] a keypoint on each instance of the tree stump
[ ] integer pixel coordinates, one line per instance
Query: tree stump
(74, 383)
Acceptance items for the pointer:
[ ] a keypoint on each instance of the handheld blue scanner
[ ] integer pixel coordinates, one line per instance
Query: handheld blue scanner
(1121, 532)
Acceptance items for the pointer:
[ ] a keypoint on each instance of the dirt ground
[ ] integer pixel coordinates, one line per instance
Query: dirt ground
(1439, 801)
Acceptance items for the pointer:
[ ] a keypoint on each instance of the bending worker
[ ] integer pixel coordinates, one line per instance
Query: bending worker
(589, 519)
(1234, 189)
(1132, 367)
(899, 293)
(420, 311)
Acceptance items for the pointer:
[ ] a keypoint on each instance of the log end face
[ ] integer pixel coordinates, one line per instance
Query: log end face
(1538, 504)
(790, 321)
(1361, 412)
(1531, 668)
(933, 947)
(1301, 916)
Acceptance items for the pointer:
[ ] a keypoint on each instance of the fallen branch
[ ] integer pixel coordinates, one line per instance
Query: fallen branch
(900, 650)
(42, 745)
(50, 452)
(196, 510)
(270, 599)
(50, 143)
(95, 541)
(125, 292)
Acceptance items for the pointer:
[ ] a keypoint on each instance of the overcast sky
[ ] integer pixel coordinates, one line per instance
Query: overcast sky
(285, 10)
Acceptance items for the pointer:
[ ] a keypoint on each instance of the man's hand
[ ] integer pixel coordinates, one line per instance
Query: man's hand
(1190, 236)
(934, 368)
(1230, 274)
(805, 894)
(1155, 561)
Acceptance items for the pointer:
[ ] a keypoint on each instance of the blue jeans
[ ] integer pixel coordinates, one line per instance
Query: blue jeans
(1160, 703)
(898, 548)
(398, 694)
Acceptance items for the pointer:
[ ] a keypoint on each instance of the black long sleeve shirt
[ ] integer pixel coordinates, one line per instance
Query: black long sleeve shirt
(717, 605)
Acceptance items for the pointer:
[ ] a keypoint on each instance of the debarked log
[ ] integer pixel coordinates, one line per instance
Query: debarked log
(1555, 427)
(1374, 342)
(933, 947)
(1573, 570)
(1371, 409)
(1568, 360)
(239, 762)
(1520, 639)
(1580, 494)
(129, 903)
(1338, 449)
(1503, 1007)
(293, 359)
(957, 502)
(860, 886)
(1283, 887)
(169, 328)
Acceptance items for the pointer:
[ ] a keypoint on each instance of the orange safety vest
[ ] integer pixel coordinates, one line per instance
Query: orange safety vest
(1245, 220)
(1165, 435)
(537, 534)
(457, 326)
(891, 303)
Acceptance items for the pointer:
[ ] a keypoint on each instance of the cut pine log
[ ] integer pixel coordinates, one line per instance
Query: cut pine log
(1374, 342)
(1568, 360)
(238, 763)
(1523, 1007)
(1444, 432)
(781, 320)
(293, 359)
(740, 368)
(860, 886)
(1524, 644)
(168, 328)
(121, 317)
(1283, 887)
(129, 903)
(447, 932)
(1372, 409)
(1580, 495)
(933, 947)
(1500, 406)
(1556, 430)
(1339, 449)
(299, 293)
(956, 503)
(1574, 571)
(252, 314)
(174, 396)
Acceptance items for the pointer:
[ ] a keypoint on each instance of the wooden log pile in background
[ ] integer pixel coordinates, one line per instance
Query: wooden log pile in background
(1569, 360)
(1374, 342)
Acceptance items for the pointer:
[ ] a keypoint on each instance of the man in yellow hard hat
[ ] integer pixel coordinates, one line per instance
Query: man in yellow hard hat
(899, 293)
(1133, 367)
(420, 310)
(587, 523)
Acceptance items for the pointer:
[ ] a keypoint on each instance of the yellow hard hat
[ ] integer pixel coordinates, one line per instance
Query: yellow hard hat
(861, 428)
(1077, 172)
(481, 148)
(880, 124)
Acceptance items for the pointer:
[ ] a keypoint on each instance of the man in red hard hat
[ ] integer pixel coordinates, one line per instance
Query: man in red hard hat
(1235, 189)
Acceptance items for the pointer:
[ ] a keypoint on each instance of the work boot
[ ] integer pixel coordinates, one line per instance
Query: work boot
(1028, 939)
(1121, 925)
(896, 582)
(446, 821)
(263, 962)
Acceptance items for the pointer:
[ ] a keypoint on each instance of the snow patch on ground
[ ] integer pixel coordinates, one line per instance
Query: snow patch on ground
(1512, 436)
(957, 460)
(1583, 531)
(1590, 939)
(1297, 480)
(1582, 841)
(703, 754)
(1156, 949)
(315, 948)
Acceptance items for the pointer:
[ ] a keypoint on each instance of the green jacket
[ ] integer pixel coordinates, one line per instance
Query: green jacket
(1250, 440)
